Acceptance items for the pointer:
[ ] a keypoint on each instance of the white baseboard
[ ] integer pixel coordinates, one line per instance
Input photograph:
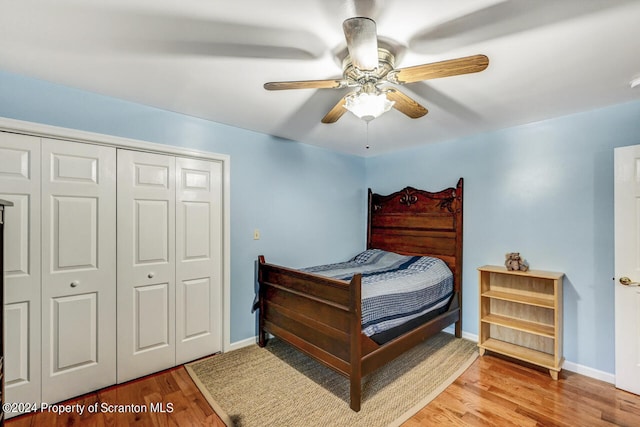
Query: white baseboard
(569, 366)
(589, 372)
(465, 335)
(243, 343)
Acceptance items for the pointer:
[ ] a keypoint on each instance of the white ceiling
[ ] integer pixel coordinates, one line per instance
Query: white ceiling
(209, 59)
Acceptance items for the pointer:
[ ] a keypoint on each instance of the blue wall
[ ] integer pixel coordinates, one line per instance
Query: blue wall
(544, 189)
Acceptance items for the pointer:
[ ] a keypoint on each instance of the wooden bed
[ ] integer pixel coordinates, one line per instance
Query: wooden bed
(322, 317)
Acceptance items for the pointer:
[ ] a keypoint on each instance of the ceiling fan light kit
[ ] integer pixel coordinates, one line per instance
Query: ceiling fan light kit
(371, 70)
(368, 106)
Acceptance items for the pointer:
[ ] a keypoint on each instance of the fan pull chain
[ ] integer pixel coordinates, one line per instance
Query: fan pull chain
(367, 146)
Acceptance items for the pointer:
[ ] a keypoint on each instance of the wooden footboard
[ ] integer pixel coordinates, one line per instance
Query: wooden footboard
(318, 315)
(322, 317)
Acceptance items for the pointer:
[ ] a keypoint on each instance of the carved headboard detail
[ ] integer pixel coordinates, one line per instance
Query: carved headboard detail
(418, 222)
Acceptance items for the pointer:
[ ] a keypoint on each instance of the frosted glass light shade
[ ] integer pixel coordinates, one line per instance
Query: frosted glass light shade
(368, 106)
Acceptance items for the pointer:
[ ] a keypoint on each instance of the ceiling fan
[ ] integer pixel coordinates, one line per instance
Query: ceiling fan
(369, 69)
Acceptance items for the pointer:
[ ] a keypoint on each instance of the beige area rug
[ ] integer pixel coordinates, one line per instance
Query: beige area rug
(279, 386)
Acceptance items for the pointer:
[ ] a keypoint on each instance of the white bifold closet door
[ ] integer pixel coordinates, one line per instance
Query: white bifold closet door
(113, 264)
(20, 184)
(146, 263)
(199, 267)
(169, 261)
(78, 268)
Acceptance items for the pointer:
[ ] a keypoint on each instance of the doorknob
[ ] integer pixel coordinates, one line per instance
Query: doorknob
(74, 283)
(151, 274)
(628, 282)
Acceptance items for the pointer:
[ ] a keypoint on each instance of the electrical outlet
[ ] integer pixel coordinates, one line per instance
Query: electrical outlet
(256, 234)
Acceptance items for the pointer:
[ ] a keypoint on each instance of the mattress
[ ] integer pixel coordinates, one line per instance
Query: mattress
(395, 288)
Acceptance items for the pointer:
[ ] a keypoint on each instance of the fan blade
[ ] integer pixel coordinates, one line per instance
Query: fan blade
(336, 112)
(150, 30)
(406, 105)
(362, 42)
(503, 19)
(436, 70)
(183, 35)
(306, 84)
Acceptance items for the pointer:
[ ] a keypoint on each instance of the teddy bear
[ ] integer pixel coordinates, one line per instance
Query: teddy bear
(515, 262)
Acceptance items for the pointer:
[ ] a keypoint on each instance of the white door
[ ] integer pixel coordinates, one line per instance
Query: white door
(78, 268)
(627, 265)
(199, 267)
(146, 263)
(20, 184)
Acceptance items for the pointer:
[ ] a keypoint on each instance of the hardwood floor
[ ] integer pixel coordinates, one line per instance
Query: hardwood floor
(181, 400)
(498, 392)
(492, 392)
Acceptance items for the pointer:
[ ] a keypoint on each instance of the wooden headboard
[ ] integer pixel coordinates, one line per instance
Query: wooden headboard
(417, 222)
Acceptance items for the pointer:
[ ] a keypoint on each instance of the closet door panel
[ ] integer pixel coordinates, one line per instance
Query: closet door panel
(196, 297)
(17, 260)
(17, 341)
(152, 222)
(146, 263)
(75, 229)
(77, 313)
(199, 258)
(20, 184)
(152, 317)
(79, 268)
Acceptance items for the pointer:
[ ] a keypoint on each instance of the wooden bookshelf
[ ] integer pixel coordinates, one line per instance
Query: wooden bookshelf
(521, 315)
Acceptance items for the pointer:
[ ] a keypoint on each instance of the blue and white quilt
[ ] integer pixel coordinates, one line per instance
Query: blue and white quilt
(395, 288)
